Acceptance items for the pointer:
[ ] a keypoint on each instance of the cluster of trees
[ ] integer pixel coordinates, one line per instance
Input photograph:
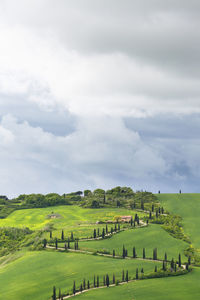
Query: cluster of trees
(107, 280)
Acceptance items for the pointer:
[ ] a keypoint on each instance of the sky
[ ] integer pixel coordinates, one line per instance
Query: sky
(96, 94)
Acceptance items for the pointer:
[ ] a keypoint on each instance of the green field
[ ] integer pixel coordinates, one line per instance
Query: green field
(33, 275)
(188, 207)
(171, 288)
(71, 217)
(147, 237)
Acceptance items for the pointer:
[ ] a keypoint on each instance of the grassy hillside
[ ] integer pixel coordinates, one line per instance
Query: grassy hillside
(148, 237)
(172, 288)
(188, 207)
(33, 275)
(70, 216)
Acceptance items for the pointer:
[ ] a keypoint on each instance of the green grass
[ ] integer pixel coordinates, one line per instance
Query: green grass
(149, 238)
(172, 288)
(188, 207)
(34, 275)
(71, 216)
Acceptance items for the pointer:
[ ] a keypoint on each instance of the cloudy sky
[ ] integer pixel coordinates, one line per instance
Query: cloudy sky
(98, 94)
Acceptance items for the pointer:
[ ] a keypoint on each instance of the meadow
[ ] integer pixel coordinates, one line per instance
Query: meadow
(33, 275)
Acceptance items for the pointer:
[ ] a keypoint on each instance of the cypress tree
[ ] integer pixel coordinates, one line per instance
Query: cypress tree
(115, 227)
(81, 288)
(162, 210)
(136, 275)
(68, 244)
(158, 192)
(142, 271)
(72, 236)
(147, 221)
(123, 252)
(94, 281)
(179, 260)
(113, 278)
(123, 275)
(65, 246)
(113, 253)
(74, 288)
(118, 227)
(111, 230)
(180, 192)
(136, 217)
(126, 252)
(159, 210)
(155, 269)
(156, 213)
(106, 228)
(172, 263)
(127, 276)
(163, 266)
(138, 221)
(187, 266)
(103, 233)
(155, 254)
(50, 234)
(165, 256)
(144, 253)
(150, 216)
(152, 208)
(95, 234)
(44, 243)
(54, 293)
(134, 253)
(97, 281)
(77, 245)
(88, 285)
(175, 267)
(62, 235)
(107, 280)
(131, 221)
(98, 232)
(56, 244)
(189, 260)
(84, 284)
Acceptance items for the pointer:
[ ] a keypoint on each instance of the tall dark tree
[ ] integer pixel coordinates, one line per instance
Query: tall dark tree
(180, 192)
(98, 232)
(54, 293)
(155, 270)
(44, 243)
(94, 281)
(134, 253)
(172, 264)
(159, 210)
(62, 236)
(88, 285)
(97, 281)
(138, 221)
(150, 216)
(107, 280)
(111, 230)
(65, 246)
(113, 278)
(68, 243)
(113, 252)
(163, 266)
(84, 284)
(95, 234)
(115, 227)
(131, 221)
(158, 192)
(124, 252)
(74, 288)
(156, 213)
(72, 236)
(136, 275)
(155, 254)
(104, 280)
(152, 208)
(143, 254)
(187, 266)
(103, 233)
(81, 288)
(162, 210)
(165, 256)
(127, 276)
(106, 229)
(118, 227)
(56, 244)
(179, 260)
(189, 260)
(142, 271)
